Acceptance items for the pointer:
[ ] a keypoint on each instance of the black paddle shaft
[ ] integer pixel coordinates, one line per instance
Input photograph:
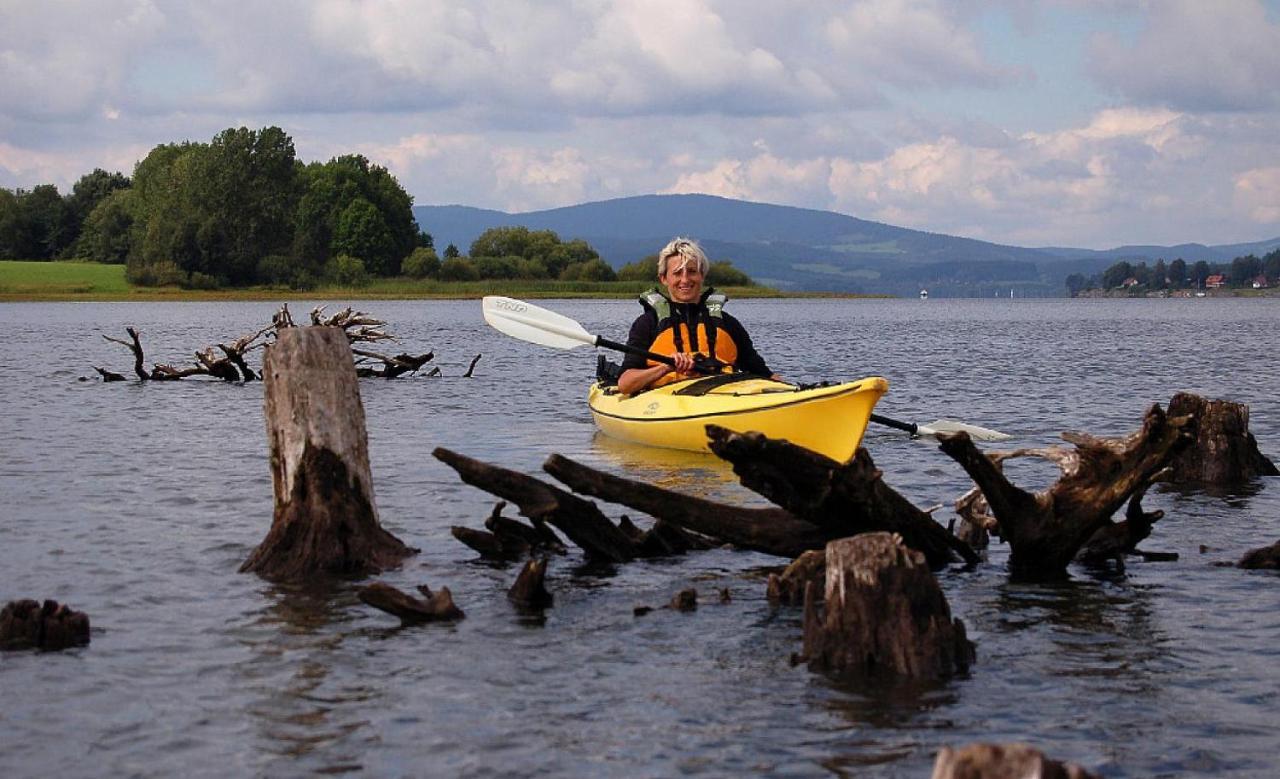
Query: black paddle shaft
(702, 363)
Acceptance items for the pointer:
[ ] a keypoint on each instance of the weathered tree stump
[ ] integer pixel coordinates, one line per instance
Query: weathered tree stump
(883, 612)
(325, 521)
(1266, 558)
(432, 607)
(1045, 530)
(788, 588)
(840, 498)
(1003, 761)
(29, 624)
(530, 588)
(1224, 452)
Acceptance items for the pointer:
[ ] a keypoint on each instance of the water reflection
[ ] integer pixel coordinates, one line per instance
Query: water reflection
(302, 706)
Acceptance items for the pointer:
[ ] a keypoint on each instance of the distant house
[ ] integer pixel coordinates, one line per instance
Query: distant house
(1260, 282)
(1129, 282)
(1215, 281)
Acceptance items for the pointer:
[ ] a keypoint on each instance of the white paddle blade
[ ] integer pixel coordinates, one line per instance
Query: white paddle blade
(534, 324)
(952, 426)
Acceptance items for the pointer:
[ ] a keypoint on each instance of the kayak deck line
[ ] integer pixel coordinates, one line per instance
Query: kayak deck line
(752, 410)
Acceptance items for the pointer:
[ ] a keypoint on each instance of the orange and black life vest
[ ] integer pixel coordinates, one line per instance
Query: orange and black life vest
(694, 329)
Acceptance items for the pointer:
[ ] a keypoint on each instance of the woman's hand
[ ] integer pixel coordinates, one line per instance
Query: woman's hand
(683, 362)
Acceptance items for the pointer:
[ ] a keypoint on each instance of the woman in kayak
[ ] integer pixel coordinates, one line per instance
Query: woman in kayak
(685, 321)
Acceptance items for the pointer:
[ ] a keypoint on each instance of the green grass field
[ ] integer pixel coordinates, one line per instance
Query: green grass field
(61, 280)
(41, 281)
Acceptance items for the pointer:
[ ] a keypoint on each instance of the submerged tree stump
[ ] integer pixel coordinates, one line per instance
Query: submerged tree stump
(1224, 452)
(883, 612)
(49, 626)
(1003, 761)
(325, 521)
(1045, 530)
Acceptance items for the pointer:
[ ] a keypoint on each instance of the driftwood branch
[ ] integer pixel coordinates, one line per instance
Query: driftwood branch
(433, 607)
(1045, 530)
(769, 530)
(580, 520)
(841, 498)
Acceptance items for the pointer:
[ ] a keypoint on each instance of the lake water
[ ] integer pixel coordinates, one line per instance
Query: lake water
(136, 503)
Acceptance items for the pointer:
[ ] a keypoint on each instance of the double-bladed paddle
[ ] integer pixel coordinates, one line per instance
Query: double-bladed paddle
(538, 325)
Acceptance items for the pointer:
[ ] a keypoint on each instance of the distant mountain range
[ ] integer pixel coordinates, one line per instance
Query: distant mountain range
(806, 249)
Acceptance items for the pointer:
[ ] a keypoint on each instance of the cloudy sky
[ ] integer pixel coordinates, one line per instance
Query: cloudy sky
(1089, 123)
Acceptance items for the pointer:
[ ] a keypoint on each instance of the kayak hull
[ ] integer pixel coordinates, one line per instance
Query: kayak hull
(830, 419)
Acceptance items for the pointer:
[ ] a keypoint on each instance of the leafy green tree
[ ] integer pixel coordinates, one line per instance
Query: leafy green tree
(451, 252)
(362, 232)
(643, 269)
(1178, 274)
(543, 246)
(1244, 270)
(723, 273)
(421, 263)
(13, 238)
(496, 267)
(1271, 266)
(40, 226)
(347, 270)
(246, 197)
(86, 194)
(458, 269)
(594, 269)
(330, 189)
(1199, 272)
(1117, 274)
(107, 234)
(1076, 283)
(1159, 276)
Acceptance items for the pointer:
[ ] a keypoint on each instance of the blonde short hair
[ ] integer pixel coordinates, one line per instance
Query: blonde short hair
(685, 249)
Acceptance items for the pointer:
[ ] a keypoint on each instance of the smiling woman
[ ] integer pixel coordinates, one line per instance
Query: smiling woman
(685, 321)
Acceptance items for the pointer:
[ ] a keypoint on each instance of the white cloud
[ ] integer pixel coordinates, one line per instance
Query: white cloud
(1257, 193)
(64, 61)
(910, 43)
(872, 107)
(1193, 55)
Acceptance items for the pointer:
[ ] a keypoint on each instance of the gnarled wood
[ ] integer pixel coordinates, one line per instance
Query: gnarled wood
(1045, 530)
(841, 498)
(325, 521)
(580, 520)
(883, 613)
(1224, 452)
(769, 530)
(530, 589)
(433, 607)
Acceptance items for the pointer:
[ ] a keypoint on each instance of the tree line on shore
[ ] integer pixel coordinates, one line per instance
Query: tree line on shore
(242, 210)
(1139, 278)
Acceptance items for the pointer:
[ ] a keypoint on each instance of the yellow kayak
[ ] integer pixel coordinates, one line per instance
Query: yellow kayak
(827, 419)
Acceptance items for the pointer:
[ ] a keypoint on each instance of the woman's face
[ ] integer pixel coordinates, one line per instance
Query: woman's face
(683, 280)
